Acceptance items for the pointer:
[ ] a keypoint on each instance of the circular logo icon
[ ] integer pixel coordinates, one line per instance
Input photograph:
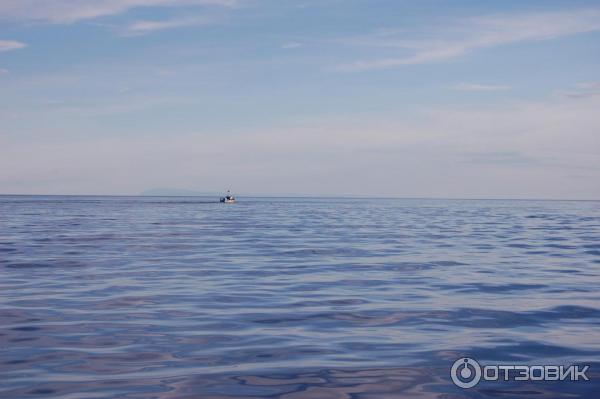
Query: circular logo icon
(465, 372)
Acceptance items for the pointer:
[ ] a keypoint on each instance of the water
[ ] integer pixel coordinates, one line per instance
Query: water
(132, 297)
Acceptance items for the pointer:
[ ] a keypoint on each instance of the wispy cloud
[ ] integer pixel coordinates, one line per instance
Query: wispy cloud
(500, 157)
(139, 28)
(69, 11)
(3, 71)
(290, 45)
(589, 85)
(582, 90)
(479, 87)
(8, 45)
(477, 33)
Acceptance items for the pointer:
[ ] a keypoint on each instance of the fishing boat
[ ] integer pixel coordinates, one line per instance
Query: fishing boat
(228, 199)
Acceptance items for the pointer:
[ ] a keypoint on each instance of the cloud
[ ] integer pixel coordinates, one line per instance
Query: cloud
(3, 71)
(479, 87)
(511, 158)
(138, 28)
(69, 11)
(582, 90)
(290, 45)
(471, 34)
(8, 45)
(589, 85)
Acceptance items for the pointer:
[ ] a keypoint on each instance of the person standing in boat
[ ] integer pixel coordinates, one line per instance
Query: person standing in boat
(228, 198)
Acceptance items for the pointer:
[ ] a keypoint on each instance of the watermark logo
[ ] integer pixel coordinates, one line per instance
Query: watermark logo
(467, 372)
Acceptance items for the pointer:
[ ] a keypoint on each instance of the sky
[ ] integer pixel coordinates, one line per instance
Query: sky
(385, 98)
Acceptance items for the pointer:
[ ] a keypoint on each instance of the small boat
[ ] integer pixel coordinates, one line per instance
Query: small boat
(228, 199)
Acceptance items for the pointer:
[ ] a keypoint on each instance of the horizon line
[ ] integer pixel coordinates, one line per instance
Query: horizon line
(309, 196)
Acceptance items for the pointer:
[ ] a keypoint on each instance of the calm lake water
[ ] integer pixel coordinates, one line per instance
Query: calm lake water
(157, 297)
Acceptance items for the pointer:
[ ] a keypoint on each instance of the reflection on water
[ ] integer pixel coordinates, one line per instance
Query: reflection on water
(292, 298)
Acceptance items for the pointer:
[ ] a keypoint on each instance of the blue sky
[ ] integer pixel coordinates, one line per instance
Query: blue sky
(464, 99)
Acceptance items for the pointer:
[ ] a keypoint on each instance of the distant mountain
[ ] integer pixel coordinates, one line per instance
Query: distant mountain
(178, 192)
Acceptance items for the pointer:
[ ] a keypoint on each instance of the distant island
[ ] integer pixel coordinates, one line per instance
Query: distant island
(178, 192)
